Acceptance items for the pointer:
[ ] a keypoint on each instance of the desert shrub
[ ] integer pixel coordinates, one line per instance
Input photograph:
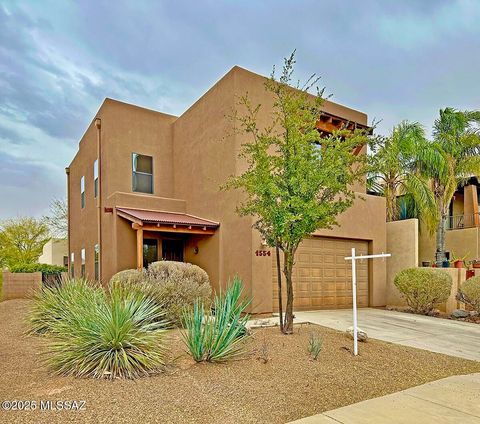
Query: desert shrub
(423, 288)
(174, 285)
(220, 336)
(469, 292)
(128, 276)
(122, 336)
(315, 343)
(51, 303)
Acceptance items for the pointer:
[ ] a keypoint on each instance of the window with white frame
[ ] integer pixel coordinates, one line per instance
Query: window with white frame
(97, 261)
(82, 191)
(95, 178)
(82, 255)
(72, 261)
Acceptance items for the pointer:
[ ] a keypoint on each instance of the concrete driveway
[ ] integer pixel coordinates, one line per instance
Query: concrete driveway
(453, 338)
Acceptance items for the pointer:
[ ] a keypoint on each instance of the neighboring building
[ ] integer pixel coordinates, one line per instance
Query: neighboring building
(462, 238)
(55, 252)
(144, 186)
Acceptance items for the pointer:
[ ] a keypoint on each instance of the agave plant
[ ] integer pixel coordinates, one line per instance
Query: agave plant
(50, 304)
(122, 337)
(220, 336)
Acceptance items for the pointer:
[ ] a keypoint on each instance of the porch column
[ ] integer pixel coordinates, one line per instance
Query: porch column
(470, 205)
(139, 229)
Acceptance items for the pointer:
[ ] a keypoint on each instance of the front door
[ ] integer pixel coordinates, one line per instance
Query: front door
(150, 251)
(172, 250)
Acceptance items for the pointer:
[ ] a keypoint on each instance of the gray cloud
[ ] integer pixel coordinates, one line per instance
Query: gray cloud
(59, 60)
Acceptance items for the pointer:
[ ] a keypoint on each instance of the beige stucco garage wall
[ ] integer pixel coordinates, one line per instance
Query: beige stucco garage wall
(402, 244)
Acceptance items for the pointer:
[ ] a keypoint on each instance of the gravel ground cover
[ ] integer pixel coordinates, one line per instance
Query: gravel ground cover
(276, 383)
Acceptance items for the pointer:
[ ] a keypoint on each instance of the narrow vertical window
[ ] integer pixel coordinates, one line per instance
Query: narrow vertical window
(82, 253)
(82, 191)
(72, 261)
(97, 260)
(95, 178)
(142, 173)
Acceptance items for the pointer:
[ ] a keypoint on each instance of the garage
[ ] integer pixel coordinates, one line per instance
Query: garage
(322, 276)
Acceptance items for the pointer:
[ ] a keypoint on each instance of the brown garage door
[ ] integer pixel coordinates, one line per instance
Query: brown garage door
(322, 278)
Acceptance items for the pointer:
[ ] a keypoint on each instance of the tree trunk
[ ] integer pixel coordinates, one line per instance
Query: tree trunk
(287, 270)
(440, 235)
(279, 279)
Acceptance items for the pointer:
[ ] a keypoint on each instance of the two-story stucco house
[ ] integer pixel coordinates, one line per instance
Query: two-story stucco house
(145, 186)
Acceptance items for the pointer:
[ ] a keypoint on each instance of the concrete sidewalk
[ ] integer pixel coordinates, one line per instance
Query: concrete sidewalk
(451, 400)
(455, 338)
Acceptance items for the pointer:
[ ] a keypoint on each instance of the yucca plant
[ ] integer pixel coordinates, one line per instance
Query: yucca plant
(50, 304)
(220, 336)
(122, 337)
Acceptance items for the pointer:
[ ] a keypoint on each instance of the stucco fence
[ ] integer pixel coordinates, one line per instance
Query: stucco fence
(402, 243)
(21, 285)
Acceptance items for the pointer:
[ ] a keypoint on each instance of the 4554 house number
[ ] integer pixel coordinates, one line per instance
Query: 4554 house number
(263, 253)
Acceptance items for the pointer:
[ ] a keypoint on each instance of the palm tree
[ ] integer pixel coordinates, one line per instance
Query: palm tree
(394, 168)
(450, 159)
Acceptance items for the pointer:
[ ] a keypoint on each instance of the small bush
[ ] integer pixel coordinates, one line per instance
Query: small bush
(218, 337)
(174, 285)
(469, 293)
(315, 343)
(423, 288)
(128, 276)
(120, 334)
(51, 303)
(43, 268)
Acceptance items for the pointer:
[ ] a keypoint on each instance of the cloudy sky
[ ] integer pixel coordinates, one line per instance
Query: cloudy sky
(59, 59)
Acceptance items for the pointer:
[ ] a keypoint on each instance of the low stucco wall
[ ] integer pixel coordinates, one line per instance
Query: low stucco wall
(463, 243)
(20, 285)
(402, 244)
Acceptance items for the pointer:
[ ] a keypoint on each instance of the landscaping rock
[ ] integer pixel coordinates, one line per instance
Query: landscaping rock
(460, 313)
(361, 335)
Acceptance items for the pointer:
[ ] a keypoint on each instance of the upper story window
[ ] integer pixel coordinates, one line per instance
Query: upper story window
(82, 191)
(142, 173)
(95, 178)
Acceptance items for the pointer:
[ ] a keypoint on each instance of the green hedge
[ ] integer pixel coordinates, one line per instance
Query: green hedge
(45, 269)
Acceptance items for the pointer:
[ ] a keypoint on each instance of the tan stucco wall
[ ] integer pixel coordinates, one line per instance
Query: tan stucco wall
(464, 242)
(402, 244)
(20, 285)
(54, 251)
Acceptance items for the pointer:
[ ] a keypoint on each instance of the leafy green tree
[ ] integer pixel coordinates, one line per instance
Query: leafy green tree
(22, 241)
(394, 170)
(451, 158)
(296, 181)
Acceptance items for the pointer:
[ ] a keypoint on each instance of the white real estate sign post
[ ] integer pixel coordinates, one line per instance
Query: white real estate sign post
(353, 258)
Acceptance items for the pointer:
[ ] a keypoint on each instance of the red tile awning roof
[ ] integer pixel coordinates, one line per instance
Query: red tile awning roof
(165, 218)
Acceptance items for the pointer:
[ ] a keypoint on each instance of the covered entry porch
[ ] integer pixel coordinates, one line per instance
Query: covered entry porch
(163, 235)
